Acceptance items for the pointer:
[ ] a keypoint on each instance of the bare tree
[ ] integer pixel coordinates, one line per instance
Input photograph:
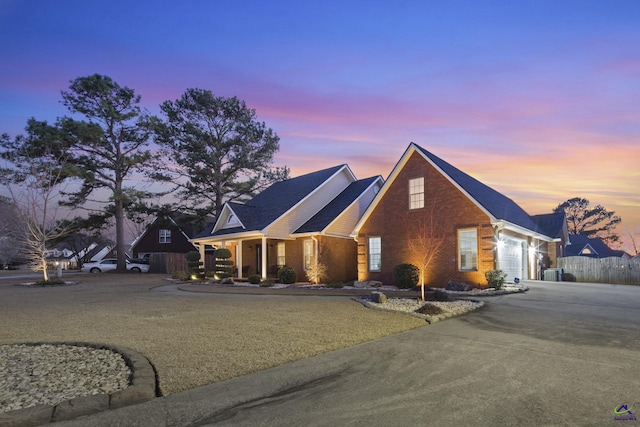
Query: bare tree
(425, 239)
(34, 173)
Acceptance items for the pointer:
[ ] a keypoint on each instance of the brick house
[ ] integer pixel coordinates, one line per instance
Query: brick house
(479, 228)
(299, 222)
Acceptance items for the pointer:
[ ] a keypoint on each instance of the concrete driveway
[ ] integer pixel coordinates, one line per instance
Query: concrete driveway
(560, 354)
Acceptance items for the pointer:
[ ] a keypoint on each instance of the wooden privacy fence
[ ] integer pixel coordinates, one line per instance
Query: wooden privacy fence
(171, 262)
(602, 270)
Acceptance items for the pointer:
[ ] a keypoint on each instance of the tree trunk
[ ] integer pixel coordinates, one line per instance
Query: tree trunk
(120, 250)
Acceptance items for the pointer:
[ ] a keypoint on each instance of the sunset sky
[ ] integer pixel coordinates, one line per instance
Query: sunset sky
(538, 99)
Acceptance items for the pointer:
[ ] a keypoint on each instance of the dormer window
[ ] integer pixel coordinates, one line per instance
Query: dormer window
(232, 219)
(164, 236)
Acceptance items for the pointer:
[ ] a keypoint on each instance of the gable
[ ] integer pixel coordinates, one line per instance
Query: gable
(343, 212)
(173, 238)
(311, 205)
(498, 208)
(284, 206)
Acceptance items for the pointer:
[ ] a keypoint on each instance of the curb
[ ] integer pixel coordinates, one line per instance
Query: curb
(142, 388)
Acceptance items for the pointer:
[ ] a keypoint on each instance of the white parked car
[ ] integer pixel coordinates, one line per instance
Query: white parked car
(108, 264)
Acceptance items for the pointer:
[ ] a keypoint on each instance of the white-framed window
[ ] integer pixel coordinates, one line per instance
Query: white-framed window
(468, 250)
(416, 193)
(375, 253)
(164, 236)
(308, 254)
(281, 259)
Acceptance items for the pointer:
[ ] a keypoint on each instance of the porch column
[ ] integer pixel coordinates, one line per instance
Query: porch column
(264, 257)
(239, 258)
(202, 257)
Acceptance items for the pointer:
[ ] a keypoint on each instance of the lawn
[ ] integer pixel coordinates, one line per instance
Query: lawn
(195, 339)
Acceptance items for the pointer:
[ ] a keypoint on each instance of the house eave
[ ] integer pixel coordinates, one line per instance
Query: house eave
(506, 225)
(227, 237)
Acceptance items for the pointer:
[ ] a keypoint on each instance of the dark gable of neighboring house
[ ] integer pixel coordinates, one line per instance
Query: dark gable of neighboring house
(591, 247)
(164, 235)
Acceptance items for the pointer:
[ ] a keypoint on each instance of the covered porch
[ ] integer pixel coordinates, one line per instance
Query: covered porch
(251, 253)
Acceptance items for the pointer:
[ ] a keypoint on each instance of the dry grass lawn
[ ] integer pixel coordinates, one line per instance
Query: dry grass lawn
(195, 339)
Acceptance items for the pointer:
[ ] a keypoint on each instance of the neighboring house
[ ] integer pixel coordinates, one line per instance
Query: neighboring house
(97, 253)
(480, 228)
(581, 245)
(65, 256)
(163, 236)
(299, 222)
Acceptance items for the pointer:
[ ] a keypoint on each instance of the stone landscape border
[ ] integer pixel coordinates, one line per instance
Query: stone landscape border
(427, 318)
(141, 389)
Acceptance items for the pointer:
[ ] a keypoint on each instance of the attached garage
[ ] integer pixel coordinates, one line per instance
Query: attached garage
(512, 258)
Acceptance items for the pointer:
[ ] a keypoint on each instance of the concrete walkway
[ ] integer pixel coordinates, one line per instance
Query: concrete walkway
(561, 354)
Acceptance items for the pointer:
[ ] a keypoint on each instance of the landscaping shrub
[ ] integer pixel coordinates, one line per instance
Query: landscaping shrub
(335, 285)
(224, 266)
(495, 278)
(266, 284)
(287, 275)
(438, 295)
(254, 279)
(316, 273)
(180, 275)
(50, 282)
(458, 286)
(430, 310)
(406, 276)
(194, 264)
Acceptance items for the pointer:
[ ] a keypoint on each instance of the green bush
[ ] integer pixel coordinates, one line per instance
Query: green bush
(224, 266)
(495, 278)
(406, 276)
(194, 264)
(266, 284)
(287, 275)
(254, 279)
(50, 282)
(180, 275)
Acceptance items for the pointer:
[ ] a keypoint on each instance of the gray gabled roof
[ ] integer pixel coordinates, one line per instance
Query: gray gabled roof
(330, 212)
(497, 204)
(552, 223)
(276, 200)
(579, 242)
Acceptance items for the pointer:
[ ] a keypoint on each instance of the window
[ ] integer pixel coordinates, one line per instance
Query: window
(308, 254)
(416, 193)
(281, 258)
(164, 236)
(375, 253)
(468, 250)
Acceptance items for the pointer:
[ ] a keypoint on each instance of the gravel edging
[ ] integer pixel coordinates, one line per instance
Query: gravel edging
(428, 318)
(142, 388)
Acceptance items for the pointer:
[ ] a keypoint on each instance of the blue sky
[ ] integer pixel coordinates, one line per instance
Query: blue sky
(540, 99)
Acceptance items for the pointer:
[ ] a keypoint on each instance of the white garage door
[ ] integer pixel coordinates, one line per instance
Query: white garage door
(511, 258)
